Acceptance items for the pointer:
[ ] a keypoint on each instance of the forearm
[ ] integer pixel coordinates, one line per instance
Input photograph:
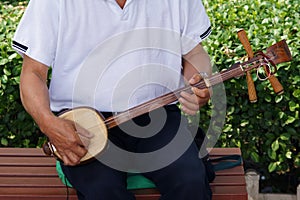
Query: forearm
(196, 61)
(34, 92)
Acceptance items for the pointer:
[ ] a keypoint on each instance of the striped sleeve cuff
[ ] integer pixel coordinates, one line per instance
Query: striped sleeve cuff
(206, 33)
(20, 47)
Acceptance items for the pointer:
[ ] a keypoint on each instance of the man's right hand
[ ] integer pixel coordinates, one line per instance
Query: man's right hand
(70, 140)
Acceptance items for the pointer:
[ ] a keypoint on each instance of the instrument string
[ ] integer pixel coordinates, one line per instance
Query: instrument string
(168, 98)
(235, 70)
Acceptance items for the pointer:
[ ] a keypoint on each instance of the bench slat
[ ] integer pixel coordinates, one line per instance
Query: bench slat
(38, 197)
(28, 171)
(225, 181)
(19, 191)
(27, 161)
(224, 151)
(50, 171)
(22, 152)
(35, 182)
(28, 174)
(53, 181)
(219, 193)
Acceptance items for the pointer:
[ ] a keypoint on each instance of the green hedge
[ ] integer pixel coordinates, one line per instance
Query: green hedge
(267, 131)
(16, 126)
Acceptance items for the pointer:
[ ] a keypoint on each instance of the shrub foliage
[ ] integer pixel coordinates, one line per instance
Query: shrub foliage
(16, 126)
(268, 130)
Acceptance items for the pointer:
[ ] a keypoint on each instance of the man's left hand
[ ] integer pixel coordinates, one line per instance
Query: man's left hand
(191, 103)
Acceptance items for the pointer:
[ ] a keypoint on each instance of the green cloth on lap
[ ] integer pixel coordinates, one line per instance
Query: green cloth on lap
(134, 181)
(138, 181)
(61, 175)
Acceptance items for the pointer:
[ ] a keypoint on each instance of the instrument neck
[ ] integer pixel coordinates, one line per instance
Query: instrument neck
(172, 97)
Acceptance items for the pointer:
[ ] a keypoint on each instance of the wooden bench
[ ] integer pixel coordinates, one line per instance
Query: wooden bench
(27, 174)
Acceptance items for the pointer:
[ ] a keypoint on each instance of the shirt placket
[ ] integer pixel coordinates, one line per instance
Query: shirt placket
(122, 13)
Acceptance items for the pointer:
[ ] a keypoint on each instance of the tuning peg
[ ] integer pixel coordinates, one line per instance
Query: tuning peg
(277, 87)
(250, 83)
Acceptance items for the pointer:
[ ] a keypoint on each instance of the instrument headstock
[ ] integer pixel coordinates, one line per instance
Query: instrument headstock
(275, 54)
(279, 52)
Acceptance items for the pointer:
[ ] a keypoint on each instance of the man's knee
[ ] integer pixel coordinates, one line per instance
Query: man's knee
(192, 181)
(189, 189)
(107, 191)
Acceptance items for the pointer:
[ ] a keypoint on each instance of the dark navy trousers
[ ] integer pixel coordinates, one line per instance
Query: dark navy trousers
(183, 179)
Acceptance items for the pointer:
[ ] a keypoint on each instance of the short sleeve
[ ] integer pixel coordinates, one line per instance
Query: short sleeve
(195, 24)
(36, 34)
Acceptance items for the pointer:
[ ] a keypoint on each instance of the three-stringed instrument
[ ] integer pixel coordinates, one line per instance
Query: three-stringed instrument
(91, 120)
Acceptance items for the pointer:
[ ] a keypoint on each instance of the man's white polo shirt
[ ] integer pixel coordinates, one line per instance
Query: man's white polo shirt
(107, 57)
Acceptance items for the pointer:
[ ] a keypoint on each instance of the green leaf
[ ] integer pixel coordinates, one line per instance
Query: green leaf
(254, 156)
(12, 56)
(285, 136)
(272, 154)
(297, 162)
(227, 128)
(281, 115)
(4, 141)
(3, 61)
(290, 120)
(293, 106)
(272, 166)
(288, 155)
(278, 98)
(270, 136)
(6, 72)
(244, 123)
(296, 93)
(268, 98)
(275, 145)
(292, 131)
(282, 145)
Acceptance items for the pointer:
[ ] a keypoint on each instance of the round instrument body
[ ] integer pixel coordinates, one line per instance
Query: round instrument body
(92, 121)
